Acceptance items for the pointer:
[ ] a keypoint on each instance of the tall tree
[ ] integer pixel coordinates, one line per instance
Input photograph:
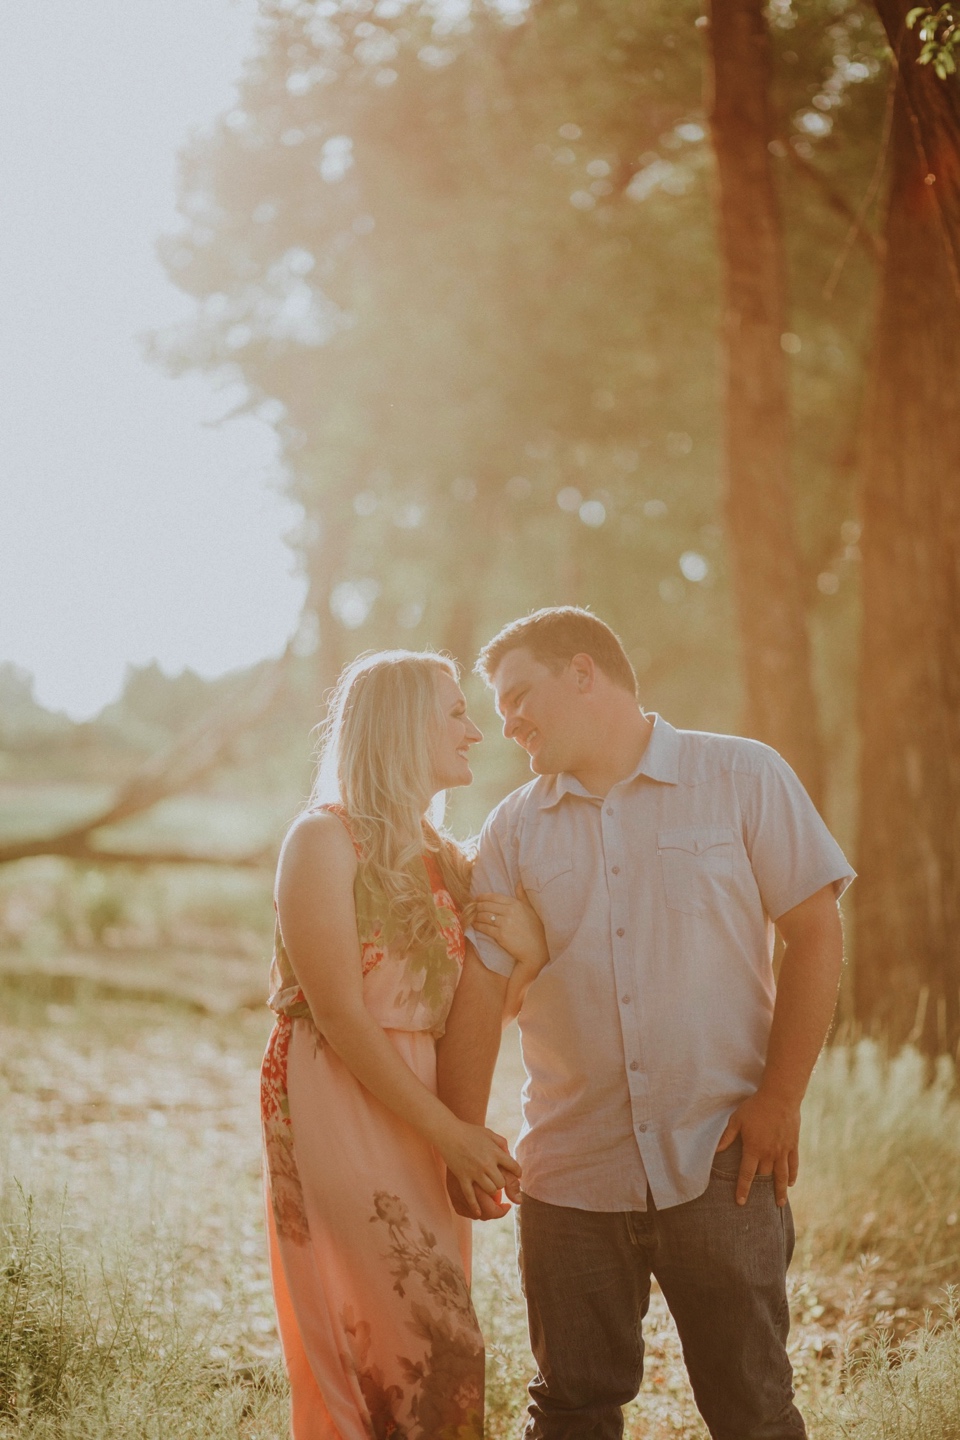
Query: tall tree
(470, 275)
(932, 101)
(907, 976)
(761, 534)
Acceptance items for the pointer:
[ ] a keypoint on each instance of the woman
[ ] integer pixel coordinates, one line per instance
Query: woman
(369, 1261)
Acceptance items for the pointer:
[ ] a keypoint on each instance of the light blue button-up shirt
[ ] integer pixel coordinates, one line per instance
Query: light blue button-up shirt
(650, 1023)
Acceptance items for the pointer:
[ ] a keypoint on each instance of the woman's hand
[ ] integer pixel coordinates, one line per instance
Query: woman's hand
(478, 1157)
(516, 927)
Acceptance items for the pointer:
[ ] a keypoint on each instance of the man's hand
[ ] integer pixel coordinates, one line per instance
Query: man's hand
(769, 1121)
(770, 1130)
(490, 1207)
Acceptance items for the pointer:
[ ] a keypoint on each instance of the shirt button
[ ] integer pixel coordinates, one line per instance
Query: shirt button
(609, 809)
(616, 869)
(624, 999)
(642, 1126)
(634, 1064)
(621, 932)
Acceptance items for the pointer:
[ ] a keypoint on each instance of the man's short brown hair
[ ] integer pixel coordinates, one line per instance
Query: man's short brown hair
(553, 636)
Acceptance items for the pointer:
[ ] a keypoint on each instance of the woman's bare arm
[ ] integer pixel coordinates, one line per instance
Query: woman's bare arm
(319, 927)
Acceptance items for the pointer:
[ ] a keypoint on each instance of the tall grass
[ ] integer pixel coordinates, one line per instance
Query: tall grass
(908, 1393)
(113, 1353)
(880, 1151)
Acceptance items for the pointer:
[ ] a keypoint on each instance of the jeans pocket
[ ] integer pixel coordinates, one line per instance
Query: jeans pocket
(726, 1164)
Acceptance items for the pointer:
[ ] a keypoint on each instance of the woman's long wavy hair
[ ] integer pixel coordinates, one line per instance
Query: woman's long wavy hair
(377, 758)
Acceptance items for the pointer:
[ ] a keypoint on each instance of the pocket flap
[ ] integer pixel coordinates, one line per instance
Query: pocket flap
(694, 841)
(535, 880)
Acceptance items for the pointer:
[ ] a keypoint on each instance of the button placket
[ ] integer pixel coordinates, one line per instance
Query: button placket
(624, 970)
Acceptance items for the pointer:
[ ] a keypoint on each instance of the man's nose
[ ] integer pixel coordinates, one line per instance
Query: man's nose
(510, 723)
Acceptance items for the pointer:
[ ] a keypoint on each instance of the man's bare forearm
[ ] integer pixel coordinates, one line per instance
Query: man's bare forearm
(806, 996)
(467, 1054)
(769, 1120)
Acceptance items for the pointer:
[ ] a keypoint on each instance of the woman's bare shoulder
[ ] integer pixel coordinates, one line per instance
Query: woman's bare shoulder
(318, 837)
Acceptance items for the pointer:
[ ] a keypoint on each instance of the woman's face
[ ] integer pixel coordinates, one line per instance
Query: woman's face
(457, 734)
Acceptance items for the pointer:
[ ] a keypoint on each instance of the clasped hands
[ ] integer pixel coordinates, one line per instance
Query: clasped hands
(486, 1206)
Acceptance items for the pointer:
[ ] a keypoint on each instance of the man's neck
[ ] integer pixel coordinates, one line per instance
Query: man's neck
(616, 753)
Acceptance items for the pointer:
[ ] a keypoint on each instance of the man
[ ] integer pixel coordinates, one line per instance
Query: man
(666, 1070)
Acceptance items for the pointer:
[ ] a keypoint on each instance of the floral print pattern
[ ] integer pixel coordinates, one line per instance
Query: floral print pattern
(442, 1390)
(286, 1192)
(373, 1305)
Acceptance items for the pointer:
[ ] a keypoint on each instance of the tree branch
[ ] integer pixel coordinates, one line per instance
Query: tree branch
(192, 756)
(838, 204)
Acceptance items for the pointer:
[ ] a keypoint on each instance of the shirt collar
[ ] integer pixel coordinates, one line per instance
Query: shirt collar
(660, 761)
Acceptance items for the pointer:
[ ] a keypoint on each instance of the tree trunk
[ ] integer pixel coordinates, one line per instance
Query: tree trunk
(781, 706)
(933, 106)
(907, 975)
(323, 558)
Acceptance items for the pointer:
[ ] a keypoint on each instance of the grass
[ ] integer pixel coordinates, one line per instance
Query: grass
(103, 1354)
(134, 1295)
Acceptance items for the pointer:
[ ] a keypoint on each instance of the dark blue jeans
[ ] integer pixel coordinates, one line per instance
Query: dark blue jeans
(722, 1269)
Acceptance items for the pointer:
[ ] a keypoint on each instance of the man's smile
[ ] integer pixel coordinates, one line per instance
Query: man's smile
(530, 741)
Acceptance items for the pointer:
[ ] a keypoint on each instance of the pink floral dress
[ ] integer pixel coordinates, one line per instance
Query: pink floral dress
(370, 1264)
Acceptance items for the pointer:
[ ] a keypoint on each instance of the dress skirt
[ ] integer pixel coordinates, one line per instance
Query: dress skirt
(370, 1264)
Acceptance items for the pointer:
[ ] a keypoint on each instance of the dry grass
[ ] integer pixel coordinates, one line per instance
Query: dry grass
(136, 1288)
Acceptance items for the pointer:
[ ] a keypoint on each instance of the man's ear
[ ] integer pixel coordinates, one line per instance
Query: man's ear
(584, 671)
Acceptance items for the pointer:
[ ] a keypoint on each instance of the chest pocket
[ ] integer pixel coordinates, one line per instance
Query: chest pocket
(550, 892)
(695, 863)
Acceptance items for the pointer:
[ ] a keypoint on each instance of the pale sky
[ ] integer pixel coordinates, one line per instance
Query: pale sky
(130, 529)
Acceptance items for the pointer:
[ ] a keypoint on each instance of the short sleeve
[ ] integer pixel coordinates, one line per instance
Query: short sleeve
(792, 852)
(495, 869)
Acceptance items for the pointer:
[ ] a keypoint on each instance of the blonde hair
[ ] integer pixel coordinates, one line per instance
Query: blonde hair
(376, 758)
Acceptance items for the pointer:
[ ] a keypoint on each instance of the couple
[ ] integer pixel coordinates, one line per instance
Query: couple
(626, 900)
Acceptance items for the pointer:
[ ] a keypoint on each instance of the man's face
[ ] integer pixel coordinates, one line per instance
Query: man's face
(539, 709)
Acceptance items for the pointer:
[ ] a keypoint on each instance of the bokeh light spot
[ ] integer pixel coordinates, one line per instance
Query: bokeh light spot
(694, 566)
(593, 513)
(352, 600)
(569, 499)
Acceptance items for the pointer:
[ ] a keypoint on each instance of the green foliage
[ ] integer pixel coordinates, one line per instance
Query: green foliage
(940, 33)
(465, 265)
(49, 906)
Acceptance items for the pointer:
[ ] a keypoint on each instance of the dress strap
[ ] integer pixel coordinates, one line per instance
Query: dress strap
(334, 807)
